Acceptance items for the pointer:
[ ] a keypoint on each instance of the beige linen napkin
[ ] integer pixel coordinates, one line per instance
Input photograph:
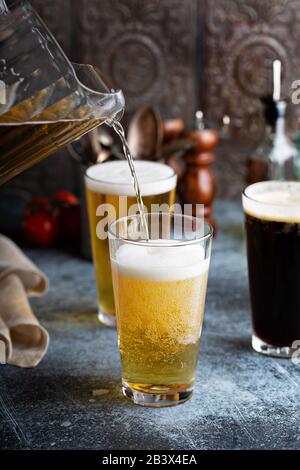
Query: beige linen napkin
(23, 341)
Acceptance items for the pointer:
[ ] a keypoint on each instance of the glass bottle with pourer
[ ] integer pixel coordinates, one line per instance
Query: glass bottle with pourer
(283, 151)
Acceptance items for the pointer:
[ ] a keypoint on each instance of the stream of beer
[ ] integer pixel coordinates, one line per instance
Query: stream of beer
(118, 128)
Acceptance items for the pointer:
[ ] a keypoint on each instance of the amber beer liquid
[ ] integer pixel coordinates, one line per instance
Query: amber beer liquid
(23, 145)
(110, 185)
(160, 325)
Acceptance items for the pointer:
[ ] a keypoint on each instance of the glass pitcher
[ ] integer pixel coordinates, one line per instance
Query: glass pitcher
(46, 101)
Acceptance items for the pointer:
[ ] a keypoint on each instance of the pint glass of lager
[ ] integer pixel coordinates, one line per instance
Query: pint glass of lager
(160, 289)
(110, 195)
(272, 213)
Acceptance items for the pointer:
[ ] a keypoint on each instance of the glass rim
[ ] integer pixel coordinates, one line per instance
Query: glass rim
(155, 243)
(124, 185)
(275, 183)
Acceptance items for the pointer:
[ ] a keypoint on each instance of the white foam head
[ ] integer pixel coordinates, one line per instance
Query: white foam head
(161, 263)
(114, 178)
(277, 201)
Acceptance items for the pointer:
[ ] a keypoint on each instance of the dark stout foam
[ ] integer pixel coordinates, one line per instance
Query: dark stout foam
(277, 201)
(272, 211)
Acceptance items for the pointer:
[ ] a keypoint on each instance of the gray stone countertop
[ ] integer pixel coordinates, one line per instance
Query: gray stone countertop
(72, 400)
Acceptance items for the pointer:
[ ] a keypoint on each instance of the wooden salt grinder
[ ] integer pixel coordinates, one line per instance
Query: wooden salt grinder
(198, 185)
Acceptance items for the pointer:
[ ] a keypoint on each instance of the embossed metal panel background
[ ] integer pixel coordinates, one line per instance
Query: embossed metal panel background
(180, 55)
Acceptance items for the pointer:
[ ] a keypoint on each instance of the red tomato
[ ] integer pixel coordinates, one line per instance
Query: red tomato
(65, 198)
(37, 204)
(40, 228)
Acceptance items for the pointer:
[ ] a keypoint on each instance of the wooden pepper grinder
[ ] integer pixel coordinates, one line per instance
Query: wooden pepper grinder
(198, 185)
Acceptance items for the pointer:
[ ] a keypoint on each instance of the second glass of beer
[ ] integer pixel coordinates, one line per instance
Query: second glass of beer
(110, 195)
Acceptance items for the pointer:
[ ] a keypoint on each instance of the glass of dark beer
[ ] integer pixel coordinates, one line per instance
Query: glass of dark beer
(272, 218)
